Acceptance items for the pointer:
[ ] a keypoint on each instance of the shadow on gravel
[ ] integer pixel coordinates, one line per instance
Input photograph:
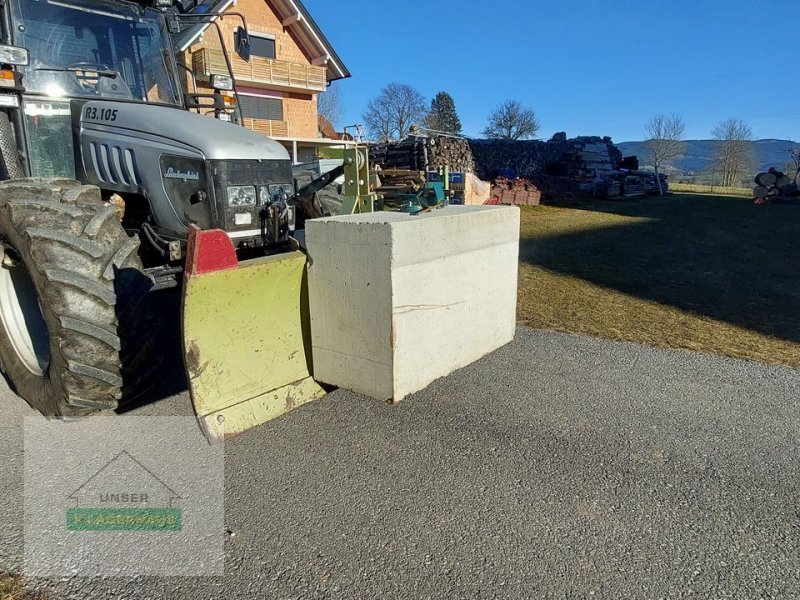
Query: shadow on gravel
(159, 371)
(721, 257)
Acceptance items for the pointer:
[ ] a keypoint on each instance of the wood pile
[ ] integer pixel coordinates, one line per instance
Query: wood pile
(610, 185)
(511, 159)
(642, 183)
(404, 178)
(395, 183)
(519, 192)
(418, 153)
(563, 170)
(532, 159)
(775, 186)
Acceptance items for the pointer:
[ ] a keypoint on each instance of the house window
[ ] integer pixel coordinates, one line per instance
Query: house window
(262, 46)
(254, 107)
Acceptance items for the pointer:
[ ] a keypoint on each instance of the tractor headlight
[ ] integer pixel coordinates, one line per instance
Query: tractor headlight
(275, 193)
(263, 195)
(241, 195)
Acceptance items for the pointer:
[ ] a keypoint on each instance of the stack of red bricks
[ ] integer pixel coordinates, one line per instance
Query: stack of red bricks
(515, 191)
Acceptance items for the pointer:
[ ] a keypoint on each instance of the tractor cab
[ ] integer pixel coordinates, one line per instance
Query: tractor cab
(82, 50)
(91, 49)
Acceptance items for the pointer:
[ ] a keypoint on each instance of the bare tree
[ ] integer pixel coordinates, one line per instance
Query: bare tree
(794, 162)
(329, 105)
(511, 121)
(393, 111)
(664, 142)
(734, 149)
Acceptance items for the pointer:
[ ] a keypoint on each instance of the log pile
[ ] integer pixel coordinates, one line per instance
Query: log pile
(511, 159)
(520, 192)
(416, 153)
(593, 167)
(532, 159)
(609, 185)
(775, 186)
(397, 183)
(641, 183)
(563, 171)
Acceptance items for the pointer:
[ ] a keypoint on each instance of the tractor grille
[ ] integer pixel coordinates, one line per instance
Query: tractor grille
(114, 164)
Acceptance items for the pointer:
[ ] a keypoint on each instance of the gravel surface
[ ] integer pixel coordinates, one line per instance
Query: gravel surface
(559, 466)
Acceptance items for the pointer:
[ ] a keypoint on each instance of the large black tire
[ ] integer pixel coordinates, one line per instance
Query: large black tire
(86, 272)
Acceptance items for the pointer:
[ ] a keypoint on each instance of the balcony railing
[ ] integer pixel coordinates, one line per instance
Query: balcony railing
(264, 71)
(267, 127)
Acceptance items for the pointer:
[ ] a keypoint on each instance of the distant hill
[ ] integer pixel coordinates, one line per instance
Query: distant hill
(700, 154)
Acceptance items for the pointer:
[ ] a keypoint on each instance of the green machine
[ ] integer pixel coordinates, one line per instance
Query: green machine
(435, 193)
(358, 196)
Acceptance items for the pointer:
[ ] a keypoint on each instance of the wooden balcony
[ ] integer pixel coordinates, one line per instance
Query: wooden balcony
(267, 72)
(268, 128)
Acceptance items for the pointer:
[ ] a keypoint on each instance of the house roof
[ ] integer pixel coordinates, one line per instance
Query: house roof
(295, 18)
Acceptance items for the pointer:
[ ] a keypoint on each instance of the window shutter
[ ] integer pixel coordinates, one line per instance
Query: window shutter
(261, 108)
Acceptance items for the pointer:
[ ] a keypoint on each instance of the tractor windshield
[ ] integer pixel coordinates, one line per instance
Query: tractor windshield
(96, 49)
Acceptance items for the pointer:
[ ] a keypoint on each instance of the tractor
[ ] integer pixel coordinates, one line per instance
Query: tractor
(116, 193)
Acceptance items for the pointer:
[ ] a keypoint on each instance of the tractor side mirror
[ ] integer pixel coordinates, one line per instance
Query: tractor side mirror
(242, 43)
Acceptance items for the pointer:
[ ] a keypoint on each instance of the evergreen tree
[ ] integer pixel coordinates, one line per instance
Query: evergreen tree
(443, 115)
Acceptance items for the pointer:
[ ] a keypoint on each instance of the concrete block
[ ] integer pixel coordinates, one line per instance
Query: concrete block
(397, 301)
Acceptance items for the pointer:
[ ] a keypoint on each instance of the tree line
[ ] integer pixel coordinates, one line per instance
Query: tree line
(399, 108)
(734, 156)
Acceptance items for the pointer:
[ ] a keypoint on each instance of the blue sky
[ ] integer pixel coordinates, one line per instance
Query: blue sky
(586, 67)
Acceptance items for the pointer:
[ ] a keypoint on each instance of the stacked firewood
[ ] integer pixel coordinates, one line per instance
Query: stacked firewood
(775, 186)
(407, 154)
(515, 191)
(507, 158)
(580, 157)
(562, 170)
(611, 185)
(419, 153)
(453, 152)
(400, 181)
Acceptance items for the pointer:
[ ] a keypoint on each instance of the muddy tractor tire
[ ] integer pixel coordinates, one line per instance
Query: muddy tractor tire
(69, 274)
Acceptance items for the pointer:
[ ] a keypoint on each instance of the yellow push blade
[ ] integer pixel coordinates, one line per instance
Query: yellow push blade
(245, 333)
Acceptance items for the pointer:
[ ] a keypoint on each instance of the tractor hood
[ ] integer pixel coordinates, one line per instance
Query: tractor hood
(182, 162)
(214, 139)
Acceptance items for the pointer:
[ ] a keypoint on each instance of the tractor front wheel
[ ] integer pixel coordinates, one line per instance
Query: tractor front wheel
(65, 258)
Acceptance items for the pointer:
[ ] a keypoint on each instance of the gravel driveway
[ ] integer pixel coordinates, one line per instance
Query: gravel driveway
(559, 466)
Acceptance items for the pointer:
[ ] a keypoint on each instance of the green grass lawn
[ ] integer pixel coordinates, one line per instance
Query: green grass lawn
(707, 273)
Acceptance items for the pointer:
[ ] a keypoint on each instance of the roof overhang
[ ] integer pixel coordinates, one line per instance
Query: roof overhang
(296, 18)
(190, 35)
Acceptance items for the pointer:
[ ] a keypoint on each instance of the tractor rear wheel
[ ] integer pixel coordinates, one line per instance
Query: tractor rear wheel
(68, 270)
